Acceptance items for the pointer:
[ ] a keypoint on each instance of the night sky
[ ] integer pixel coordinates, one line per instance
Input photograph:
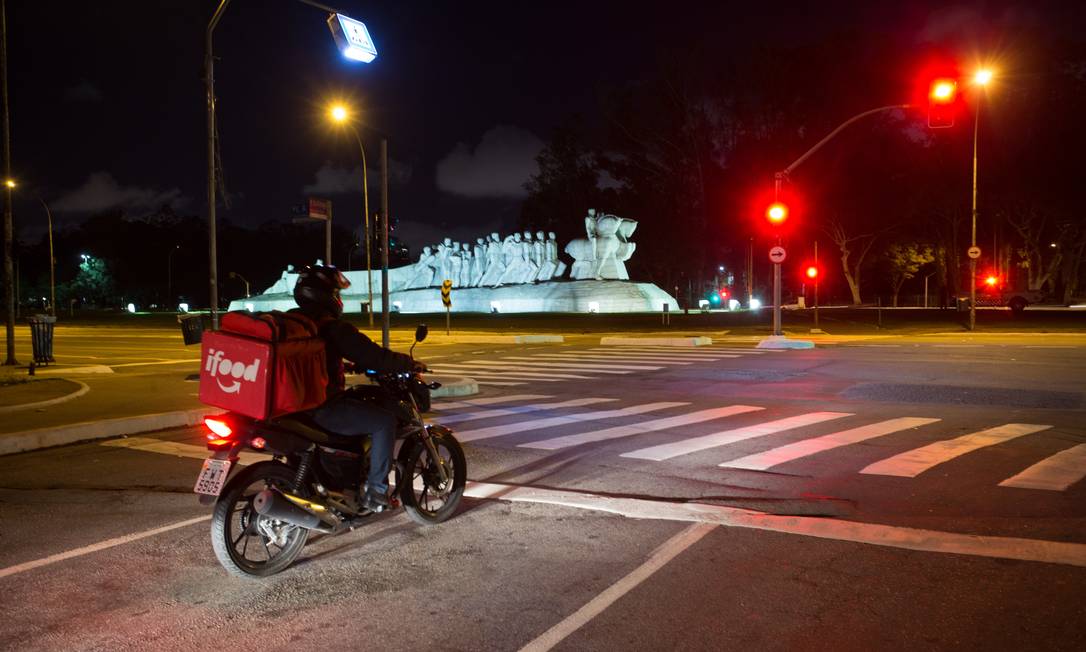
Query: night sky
(108, 103)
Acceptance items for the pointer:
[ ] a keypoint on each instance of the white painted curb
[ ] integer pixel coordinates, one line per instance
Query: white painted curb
(28, 440)
(657, 341)
(83, 389)
(65, 371)
(454, 386)
(782, 342)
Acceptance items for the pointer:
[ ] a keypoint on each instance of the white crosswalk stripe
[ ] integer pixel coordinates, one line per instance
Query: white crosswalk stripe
(534, 361)
(599, 358)
(565, 420)
(506, 364)
(1054, 473)
(676, 354)
(914, 462)
(440, 404)
(789, 452)
(499, 383)
(476, 372)
(522, 409)
(687, 446)
(641, 427)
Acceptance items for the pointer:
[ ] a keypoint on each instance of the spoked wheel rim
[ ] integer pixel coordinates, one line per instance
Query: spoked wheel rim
(256, 542)
(431, 494)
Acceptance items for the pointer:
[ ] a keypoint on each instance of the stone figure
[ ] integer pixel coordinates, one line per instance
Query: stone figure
(455, 264)
(465, 267)
(478, 262)
(603, 254)
(552, 255)
(495, 264)
(443, 251)
(423, 275)
(512, 254)
(531, 266)
(539, 257)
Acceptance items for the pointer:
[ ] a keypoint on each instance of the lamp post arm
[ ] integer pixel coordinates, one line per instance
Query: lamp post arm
(52, 262)
(783, 174)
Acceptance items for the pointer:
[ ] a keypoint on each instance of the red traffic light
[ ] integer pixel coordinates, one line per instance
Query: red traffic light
(942, 103)
(777, 213)
(723, 293)
(812, 272)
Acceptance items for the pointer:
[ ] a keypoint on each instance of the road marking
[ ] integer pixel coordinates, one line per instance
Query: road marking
(958, 346)
(912, 463)
(687, 446)
(657, 560)
(1054, 473)
(674, 354)
(522, 409)
(102, 545)
(144, 364)
(599, 358)
(497, 383)
(176, 448)
(496, 364)
(889, 536)
(789, 452)
(494, 375)
(533, 362)
(639, 428)
(489, 400)
(551, 422)
(537, 373)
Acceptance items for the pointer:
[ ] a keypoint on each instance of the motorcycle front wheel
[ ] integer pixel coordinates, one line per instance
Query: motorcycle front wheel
(246, 543)
(426, 498)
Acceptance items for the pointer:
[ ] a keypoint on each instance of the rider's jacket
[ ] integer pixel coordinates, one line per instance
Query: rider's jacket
(342, 340)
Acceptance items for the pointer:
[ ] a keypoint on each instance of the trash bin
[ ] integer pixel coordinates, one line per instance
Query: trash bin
(41, 337)
(192, 328)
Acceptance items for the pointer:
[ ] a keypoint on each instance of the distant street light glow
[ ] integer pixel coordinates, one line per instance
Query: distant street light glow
(983, 76)
(10, 183)
(339, 113)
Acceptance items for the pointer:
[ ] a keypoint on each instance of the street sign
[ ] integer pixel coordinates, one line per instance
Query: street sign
(777, 255)
(446, 292)
(974, 252)
(352, 38)
(319, 209)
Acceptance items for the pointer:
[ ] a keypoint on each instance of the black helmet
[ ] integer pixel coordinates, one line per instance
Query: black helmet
(317, 289)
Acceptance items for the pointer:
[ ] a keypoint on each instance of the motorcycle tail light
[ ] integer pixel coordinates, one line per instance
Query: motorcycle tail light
(219, 429)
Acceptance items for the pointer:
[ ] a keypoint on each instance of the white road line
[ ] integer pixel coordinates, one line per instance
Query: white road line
(522, 409)
(556, 357)
(958, 346)
(659, 558)
(639, 428)
(545, 365)
(502, 370)
(486, 375)
(534, 362)
(789, 452)
(489, 400)
(1054, 473)
(144, 364)
(890, 536)
(102, 545)
(675, 354)
(552, 422)
(496, 383)
(687, 446)
(912, 463)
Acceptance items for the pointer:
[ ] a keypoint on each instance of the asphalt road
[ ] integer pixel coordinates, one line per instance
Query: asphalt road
(896, 493)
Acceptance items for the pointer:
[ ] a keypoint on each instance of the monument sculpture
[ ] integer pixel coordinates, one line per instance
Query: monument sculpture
(521, 272)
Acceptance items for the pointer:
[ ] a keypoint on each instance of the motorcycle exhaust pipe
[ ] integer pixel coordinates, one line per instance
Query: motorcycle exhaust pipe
(272, 504)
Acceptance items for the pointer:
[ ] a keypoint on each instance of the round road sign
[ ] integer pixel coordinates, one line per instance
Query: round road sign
(974, 252)
(777, 255)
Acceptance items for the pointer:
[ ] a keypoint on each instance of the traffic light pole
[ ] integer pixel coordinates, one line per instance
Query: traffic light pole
(777, 297)
(973, 237)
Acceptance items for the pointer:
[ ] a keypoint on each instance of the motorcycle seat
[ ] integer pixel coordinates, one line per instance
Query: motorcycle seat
(302, 424)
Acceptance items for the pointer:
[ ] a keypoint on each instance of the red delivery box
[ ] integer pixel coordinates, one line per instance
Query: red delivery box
(263, 365)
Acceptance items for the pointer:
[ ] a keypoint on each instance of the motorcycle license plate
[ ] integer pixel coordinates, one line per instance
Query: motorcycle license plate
(212, 477)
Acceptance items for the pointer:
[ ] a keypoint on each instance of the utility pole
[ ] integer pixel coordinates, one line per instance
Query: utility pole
(384, 243)
(9, 218)
(212, 245)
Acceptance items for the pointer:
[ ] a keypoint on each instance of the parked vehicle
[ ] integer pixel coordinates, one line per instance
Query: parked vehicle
(264, 513)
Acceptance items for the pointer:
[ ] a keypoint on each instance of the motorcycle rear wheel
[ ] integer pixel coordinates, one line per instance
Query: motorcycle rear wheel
(240, 536)
(426, 499)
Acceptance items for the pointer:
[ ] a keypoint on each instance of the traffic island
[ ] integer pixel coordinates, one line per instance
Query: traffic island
(783, 342)
(25, 393)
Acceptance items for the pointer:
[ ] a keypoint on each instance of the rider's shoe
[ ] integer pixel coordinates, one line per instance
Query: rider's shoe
(376, 501)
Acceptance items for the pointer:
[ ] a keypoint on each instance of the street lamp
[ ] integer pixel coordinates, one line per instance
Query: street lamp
(243, 280)
(341, 115)
(169, 275)
(52, 262)
(981, 79)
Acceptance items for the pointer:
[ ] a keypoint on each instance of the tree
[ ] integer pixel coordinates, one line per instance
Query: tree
(93, 283)
(905, 260)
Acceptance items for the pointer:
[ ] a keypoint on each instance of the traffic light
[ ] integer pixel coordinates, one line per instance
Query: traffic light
(991, 281)
(723, 294)
(942, 103)
(812, 272)
(777, 213)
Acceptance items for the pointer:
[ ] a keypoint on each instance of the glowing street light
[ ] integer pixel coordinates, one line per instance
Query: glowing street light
(982, 76)
(339, 113)
(10, 183)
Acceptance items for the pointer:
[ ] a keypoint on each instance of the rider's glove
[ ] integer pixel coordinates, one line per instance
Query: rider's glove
(418, 366)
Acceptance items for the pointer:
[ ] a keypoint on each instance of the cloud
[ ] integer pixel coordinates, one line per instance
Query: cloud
(101, 192)
(497, 167)
(332, 180)
(84, 91)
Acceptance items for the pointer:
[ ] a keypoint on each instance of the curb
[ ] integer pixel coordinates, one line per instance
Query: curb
(782, 342)
(85, 369)
(28, 440)
(454, 386)
(83, 389)
(656, 341)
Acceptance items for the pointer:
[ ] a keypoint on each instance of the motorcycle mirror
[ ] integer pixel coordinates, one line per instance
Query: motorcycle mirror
(421, 332)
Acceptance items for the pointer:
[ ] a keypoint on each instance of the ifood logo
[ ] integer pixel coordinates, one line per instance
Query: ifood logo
(221, 367)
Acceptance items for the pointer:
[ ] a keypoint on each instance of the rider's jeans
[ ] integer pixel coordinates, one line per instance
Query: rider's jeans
(347, 416)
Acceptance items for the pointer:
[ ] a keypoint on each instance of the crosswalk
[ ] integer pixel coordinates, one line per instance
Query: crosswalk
(543, 423)
(557, 366)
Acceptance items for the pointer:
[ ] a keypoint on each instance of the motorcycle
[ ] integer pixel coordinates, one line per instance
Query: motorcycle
(263, 514)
